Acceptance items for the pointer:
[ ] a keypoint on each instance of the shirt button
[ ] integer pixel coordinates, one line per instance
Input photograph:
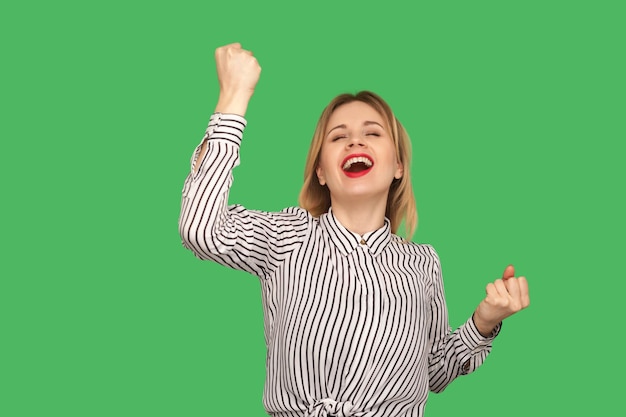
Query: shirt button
(363, 242)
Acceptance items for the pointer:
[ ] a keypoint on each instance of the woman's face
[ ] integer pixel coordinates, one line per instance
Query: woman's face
(358, 157)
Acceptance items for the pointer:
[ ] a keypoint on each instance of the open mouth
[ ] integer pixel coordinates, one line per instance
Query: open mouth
(357, 165)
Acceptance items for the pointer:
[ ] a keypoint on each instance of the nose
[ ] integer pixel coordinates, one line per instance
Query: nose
(355, 140)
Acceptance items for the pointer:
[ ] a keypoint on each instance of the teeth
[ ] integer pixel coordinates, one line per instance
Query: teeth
(351, 161)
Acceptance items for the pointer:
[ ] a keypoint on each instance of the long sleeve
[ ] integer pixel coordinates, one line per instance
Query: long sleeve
(457, 353)
(253, 241)
(354, 325)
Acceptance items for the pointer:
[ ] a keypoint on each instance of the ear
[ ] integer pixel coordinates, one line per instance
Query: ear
(399, 171)
(320, 175)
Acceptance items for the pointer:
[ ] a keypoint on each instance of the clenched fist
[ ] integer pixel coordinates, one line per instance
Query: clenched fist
(238, 73)
(505, 297)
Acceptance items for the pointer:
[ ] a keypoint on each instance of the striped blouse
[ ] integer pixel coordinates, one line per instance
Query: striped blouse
(354, 325)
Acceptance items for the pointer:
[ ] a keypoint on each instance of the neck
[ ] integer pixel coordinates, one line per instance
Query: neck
(360, 217)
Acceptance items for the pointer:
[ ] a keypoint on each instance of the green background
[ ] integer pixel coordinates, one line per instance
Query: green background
(516, 112)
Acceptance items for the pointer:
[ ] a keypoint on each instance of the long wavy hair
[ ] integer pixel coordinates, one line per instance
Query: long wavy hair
(315, 197)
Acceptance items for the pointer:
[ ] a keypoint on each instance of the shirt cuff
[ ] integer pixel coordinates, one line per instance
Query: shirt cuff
(472, 338)
(225, 126)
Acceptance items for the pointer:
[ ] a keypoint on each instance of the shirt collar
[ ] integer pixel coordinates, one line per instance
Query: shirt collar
(347, 241)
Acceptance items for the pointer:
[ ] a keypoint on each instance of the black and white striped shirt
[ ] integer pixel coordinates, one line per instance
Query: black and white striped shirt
(354, 325)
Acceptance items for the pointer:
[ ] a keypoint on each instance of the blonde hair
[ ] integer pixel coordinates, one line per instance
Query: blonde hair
(315, 198)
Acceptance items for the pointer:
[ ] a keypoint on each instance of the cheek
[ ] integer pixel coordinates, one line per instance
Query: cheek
(321, 169)
(322, 164)
(392, 160)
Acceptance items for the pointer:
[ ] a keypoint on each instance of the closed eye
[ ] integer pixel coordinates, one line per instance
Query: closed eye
(373, 134)
(336, 138)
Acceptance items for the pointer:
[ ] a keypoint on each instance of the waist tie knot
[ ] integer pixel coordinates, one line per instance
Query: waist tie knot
(332, 408)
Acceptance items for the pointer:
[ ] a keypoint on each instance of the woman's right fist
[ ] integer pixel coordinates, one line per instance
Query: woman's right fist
(237, 70)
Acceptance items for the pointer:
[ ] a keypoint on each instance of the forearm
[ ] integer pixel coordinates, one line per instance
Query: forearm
(459, 353)
(205, 192)
(235, 102)
(238, 73)
(485, 327)
(452, 353)
(229, 103)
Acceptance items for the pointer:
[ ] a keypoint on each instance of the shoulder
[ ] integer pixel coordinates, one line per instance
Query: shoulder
(296, 213)
(288, 214)
(402, 245)
(287, 224)
(293, 218)
(422, 256)
(279, 222)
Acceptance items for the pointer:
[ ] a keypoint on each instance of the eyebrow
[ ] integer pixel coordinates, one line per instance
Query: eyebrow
(366, 123)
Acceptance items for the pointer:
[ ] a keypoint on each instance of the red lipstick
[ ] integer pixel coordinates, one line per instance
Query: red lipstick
(368, 163)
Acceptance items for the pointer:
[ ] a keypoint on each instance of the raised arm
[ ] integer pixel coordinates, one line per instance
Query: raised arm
(231, 235)
(238, 72)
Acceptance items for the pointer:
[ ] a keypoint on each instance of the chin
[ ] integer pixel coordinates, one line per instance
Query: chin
(363, 192)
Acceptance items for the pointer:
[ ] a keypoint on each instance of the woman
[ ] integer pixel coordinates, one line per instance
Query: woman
(355, 317)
